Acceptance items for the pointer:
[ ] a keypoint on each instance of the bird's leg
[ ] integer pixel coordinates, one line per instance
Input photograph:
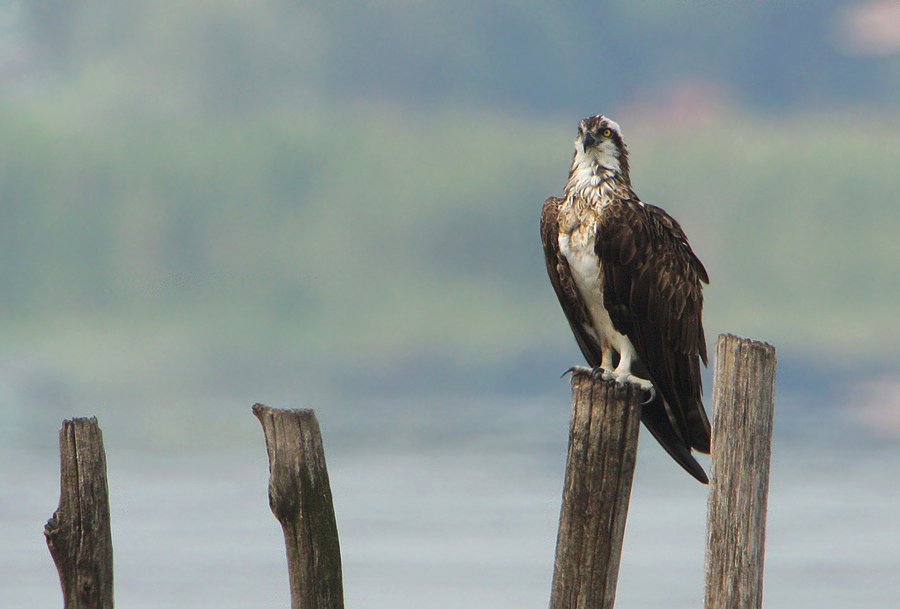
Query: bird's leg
(604, 370)
(606, 366)
(622, 374)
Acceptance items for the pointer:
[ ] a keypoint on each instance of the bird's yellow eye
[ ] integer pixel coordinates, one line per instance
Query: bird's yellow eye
(607, 133)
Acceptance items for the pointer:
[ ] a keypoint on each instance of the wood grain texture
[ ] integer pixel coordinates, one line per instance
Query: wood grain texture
(603, 437)
(78, 534)
(300, 498)
(743, 394)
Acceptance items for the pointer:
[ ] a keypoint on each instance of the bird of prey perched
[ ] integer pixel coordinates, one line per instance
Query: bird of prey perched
(630, 287)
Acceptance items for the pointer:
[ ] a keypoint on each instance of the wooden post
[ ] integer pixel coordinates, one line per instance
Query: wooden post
(78, 534)
(300, 498)
(743, 394)
(603, 438)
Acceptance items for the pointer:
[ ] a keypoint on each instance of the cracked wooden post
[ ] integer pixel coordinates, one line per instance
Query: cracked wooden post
(78, 534)
(743, 395)
(603, 436)
(300, 498)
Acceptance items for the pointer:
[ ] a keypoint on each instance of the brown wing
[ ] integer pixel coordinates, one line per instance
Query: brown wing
(564, 285)
(652, 290)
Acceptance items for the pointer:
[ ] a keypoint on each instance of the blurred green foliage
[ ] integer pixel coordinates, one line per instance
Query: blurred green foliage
(368, 233)
(361, 182)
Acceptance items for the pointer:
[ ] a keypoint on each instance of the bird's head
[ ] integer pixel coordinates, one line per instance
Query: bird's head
(600, 149)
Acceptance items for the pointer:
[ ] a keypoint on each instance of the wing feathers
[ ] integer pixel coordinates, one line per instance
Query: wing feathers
(652, 290)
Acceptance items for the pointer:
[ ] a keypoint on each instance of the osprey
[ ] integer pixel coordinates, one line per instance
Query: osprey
(630, 287)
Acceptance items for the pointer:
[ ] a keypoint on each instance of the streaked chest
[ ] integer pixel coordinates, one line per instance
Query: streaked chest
(577, 234)
(577, 239)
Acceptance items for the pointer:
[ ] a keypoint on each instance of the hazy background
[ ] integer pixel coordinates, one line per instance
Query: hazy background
(335, 205)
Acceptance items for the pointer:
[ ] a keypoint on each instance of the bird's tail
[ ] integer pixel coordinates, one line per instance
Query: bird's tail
(656, 419)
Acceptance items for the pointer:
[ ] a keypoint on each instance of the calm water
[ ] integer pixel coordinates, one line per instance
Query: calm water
(458, 524)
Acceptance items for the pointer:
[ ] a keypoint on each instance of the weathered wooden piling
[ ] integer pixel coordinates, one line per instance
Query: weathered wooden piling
(78, 534)
(603, 435)
(300, 498)
(743, 395)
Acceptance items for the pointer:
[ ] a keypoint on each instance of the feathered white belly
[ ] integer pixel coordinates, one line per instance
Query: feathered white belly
(588, 277)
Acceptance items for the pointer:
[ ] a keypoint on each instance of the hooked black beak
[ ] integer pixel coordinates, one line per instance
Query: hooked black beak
(589, 140)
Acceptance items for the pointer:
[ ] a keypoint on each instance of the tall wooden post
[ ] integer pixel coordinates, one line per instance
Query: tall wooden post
(78, 534)
(743, 394)
(300, 498)
(603, 436)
